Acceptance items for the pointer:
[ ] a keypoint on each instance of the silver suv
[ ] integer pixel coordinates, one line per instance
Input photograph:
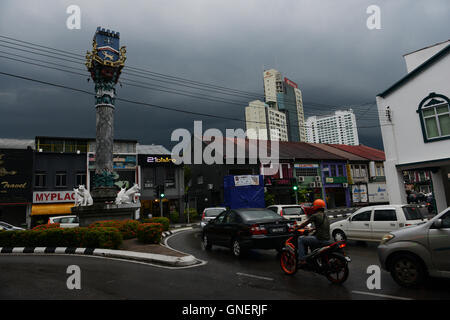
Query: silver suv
(412, 253)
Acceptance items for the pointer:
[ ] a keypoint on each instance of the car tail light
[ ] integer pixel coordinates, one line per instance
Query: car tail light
(257, 229)
(408, 224)
(281, 212)
(203, 215)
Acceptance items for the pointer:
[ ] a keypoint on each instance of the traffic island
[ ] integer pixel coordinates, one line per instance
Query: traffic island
(162, 259)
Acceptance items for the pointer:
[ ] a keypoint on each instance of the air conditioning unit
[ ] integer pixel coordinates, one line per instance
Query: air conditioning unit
(317, 178)
(301, 179)
(312, 184)
(318, 184)
(345, 185)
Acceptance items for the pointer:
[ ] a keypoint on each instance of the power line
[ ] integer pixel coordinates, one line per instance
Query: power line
(173, 78)
(132, 101)
(139, 84)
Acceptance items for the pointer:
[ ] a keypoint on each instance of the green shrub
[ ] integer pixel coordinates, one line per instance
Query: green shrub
(128, 228)
(165, 222)
(150, 233)
(108, 238)
(174, 217)
(47, 226)
(193, 215)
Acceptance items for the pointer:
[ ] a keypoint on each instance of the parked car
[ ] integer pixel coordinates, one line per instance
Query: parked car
(372, 223)
(410, 254)
(210, 214)
(289, 211)
(65, 221)
(7, 226)
(245, 229)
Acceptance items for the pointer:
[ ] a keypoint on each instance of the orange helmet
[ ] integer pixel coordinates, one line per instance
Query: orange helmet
(319, 204)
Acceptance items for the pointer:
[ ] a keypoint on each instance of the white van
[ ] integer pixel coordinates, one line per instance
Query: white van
(372, 223)
(65, 221)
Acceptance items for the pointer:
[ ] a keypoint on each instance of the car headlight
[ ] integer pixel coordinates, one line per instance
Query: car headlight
(386, 238)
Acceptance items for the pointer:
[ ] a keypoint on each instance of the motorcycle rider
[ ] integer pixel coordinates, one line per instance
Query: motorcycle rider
(322, 227)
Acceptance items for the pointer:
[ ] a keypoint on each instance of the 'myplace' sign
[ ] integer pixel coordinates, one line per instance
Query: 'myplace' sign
(16, 172)
(53, 196)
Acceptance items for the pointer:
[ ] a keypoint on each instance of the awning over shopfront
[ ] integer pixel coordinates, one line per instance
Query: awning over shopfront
(51, 209)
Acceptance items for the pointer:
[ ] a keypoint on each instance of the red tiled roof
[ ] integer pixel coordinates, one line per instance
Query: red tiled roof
(339, 152)
(315, 151)
(362, 151)
(291, 150)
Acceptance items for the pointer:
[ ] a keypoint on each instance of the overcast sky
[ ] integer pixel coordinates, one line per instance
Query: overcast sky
(324, 46)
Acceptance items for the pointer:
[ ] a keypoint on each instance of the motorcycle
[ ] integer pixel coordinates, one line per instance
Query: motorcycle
(329, 260)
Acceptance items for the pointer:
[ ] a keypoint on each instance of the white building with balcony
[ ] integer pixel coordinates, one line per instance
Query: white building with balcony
(338, 128)
(266, 123)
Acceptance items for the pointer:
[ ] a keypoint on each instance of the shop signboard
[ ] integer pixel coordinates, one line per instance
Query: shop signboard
(120, 161)
(377, 193)
(152, 160)
(53, 196)
(16, 172)
(359, 193)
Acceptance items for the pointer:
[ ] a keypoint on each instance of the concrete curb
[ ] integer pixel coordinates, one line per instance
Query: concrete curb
(188, 260)
(170, 232)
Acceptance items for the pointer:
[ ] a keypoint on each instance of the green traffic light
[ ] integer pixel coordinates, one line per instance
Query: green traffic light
(162, 195)
(295, 188)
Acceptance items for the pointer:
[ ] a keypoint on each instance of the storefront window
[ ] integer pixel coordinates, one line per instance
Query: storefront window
(61, 179)
(340, 171)
(333, 170)
(170, 177)
(40, 180)
(81, 179)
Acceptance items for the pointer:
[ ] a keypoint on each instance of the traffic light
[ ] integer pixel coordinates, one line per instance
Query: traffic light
(161, 192)
(295, 188)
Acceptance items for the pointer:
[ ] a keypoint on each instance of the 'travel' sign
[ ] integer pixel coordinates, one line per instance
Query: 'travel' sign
(16, 172)
(53, 196)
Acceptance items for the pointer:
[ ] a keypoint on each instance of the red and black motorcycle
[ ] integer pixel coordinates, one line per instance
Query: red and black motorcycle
(329, 260)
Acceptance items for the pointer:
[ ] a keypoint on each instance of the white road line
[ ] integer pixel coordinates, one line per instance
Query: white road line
(253, 276)
(381, 295)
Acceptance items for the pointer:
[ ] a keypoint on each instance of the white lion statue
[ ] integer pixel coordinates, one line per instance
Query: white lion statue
(82, 196)
(128, 196)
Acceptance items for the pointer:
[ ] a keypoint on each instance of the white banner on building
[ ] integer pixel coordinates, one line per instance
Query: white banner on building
(248, 180)
(378, 193)
(359, 193)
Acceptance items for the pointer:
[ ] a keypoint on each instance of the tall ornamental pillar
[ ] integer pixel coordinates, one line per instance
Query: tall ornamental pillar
(105, 63)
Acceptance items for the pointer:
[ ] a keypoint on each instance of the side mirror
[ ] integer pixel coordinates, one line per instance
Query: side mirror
(437, 224)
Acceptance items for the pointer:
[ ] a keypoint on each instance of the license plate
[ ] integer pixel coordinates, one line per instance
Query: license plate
(278, 230)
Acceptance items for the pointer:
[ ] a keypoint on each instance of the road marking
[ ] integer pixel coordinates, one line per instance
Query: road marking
(253, 276)
(381, 295)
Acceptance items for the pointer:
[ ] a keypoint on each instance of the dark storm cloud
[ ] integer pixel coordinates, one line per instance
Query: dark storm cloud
(324, 46)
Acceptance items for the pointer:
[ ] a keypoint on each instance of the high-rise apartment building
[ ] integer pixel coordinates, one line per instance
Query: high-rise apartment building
(284, 95)
(339, 128)
(267, 122)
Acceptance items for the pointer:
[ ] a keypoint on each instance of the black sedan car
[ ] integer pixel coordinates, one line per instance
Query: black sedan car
(244, 229)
